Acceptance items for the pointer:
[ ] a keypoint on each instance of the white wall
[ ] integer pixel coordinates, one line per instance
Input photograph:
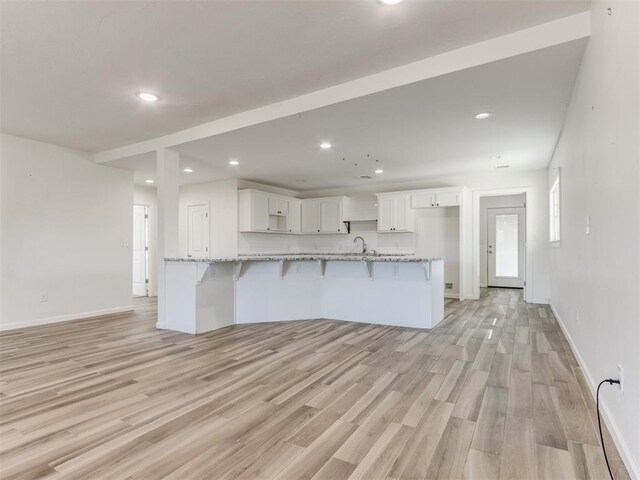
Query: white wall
(497, 201)
(438, 235)
(222, 198)
(598, 275)
(66, 230)
(147, 196)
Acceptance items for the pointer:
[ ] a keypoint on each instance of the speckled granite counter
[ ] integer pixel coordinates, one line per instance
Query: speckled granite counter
(338, 257)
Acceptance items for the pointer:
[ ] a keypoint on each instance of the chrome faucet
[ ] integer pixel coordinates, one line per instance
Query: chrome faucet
(364, 245)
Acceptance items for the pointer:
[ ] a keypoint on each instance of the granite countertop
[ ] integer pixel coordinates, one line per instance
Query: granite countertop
(341, 257)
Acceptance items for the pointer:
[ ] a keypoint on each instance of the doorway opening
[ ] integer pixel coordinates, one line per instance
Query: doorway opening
(502, 233)
(140, 251)
(505, 247)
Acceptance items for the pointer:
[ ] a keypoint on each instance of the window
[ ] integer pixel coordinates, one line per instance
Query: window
(554, 210)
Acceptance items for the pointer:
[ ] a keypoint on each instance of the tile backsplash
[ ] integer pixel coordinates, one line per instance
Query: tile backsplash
(277, 243)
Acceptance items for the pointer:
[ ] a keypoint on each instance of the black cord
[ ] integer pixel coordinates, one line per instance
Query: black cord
(610, 381)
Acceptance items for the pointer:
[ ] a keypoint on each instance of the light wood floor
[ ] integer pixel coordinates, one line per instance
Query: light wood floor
(494, 392)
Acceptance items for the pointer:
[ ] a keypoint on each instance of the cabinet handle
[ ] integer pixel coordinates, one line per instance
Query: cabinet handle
(318, 229)
(437, 204)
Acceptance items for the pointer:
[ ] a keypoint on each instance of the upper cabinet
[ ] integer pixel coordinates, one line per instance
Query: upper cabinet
(435, 199)
(395, 213)
(323, 215)
(266, 212)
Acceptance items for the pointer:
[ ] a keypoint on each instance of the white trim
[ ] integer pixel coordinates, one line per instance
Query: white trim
(540, 301)
(455, 296)
(528, 40)
(66, 318)
(161, 326)
(621, 445)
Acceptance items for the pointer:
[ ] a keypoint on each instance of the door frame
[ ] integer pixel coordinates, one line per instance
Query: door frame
(521, 239)
(147, 247)
(528, 261)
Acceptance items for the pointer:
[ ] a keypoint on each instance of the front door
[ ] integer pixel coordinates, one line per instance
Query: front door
(505, 247)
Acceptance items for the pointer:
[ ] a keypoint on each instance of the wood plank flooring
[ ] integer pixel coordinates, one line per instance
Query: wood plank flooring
(494, 392)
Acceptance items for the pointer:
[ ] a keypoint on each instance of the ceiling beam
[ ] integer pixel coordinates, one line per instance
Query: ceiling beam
(538, 37)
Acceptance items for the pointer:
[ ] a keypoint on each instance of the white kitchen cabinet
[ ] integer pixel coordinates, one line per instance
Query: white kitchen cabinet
(395, 214)
(447, 199)
(278, 205)
(322, 215)
(293, 215)
(423, 200)
(264, 212)
(435, 199)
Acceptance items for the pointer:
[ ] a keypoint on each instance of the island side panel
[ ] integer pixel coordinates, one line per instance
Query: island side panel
(398, 294)
(262, 296)
(215, 298)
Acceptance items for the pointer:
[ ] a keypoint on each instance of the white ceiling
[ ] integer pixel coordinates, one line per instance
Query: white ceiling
(423, 130)
(70, 69)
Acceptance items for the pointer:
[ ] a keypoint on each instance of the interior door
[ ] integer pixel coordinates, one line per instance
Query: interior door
(198, 231)
(139, 250)
(506, 247)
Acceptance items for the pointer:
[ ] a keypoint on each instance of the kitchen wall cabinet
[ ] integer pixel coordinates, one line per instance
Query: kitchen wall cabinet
(265, 212)
(435, 199)
(294, 215)
(395, 213)
(323, 215)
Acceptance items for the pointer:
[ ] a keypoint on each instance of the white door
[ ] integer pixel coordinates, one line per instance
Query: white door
(139, 250)
(505, 247)
(198, 231)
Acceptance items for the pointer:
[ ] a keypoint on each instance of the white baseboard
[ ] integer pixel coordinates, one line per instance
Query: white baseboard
(541, 301)
(161, 326)
(621, 445)
(66, 318)
(455, 296)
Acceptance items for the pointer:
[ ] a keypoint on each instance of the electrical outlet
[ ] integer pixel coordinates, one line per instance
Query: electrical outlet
(448, 286)
(395, 270)
(588, 228)
(577, 316)
(621, 378)
(298, 268)
(44, 297)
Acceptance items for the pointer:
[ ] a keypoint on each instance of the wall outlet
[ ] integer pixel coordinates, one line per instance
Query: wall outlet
(448, 286)
(621, 378)
(44, 297)
(588, 226)
(298, 268)
(395, 270)
(577, 316)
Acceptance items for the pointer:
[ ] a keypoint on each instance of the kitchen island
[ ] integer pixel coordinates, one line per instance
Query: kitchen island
(204, 294)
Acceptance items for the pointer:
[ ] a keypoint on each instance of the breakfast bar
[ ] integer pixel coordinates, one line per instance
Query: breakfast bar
(204, 294)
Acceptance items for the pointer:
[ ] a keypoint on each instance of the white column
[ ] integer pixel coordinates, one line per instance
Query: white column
(167, 178)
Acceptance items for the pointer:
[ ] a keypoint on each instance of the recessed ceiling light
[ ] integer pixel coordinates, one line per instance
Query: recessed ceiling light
(379, 171)
(148, 181)
(483, 115)
(390, 2)
(147, 96)
(325, 145)
(502, 166)
(188, 170)
(234, 162)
